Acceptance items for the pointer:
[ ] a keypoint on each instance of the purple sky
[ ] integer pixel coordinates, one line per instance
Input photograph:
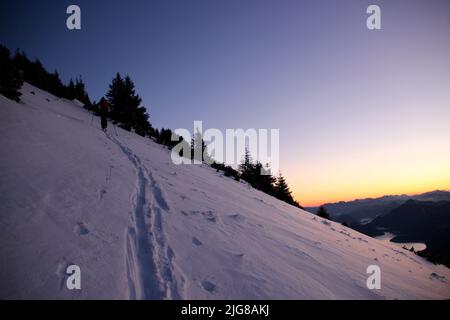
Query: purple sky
(360, 112)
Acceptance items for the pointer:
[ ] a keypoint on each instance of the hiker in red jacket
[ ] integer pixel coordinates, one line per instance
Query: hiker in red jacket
(104, 106)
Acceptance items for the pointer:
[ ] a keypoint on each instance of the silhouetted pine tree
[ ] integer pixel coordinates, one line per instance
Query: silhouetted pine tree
(55, 84)
(132, 102)
(259, 177)
(10, 77)
(282, 191)
(69, 92)
(115, 97)
(126, 107)
(323, 213)
(198, 148)
(263, 180)
(140, 121)
(163, 136)
(247, 169)
(80, 93)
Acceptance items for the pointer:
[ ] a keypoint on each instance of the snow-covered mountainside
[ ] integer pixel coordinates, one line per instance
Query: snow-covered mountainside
(141, 227)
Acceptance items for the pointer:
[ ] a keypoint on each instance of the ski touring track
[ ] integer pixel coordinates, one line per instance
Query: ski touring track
(149, 259)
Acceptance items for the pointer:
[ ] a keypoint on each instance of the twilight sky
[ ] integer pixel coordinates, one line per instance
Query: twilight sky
(361, 113)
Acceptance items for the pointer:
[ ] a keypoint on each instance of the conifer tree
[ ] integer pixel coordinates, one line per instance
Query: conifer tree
(55, 85)
(264, 179)
(199, 149)
(10, 77)
(247, 168)
(115, 98)
(125, 105)
(323, 213)
(80, 92)
(282, 191)
(70, 90)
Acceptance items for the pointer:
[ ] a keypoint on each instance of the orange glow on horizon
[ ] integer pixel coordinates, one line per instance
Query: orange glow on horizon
(336, 198)
(408, 169)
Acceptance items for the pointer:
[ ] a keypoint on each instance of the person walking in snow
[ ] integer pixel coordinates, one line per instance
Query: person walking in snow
(104, 113)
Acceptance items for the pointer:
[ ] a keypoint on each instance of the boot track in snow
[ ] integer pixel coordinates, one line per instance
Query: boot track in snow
(149, 258)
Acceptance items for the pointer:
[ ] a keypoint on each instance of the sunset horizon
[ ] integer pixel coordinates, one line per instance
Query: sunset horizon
(364, 196)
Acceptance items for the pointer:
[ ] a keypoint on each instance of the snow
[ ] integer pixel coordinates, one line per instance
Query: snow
(78, 103)
(141, 227)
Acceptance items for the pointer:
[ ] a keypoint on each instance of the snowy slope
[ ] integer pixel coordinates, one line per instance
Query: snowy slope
(141, 227)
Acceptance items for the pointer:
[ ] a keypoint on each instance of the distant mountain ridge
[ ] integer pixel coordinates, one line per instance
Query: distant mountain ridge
(421, 218)
(365, 210)
(417, 221)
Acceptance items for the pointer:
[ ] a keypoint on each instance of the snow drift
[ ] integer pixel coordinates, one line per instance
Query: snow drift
(141, 227)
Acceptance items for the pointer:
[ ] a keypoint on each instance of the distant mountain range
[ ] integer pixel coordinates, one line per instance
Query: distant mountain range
(421, 218)
(365, 210)
(417, 221)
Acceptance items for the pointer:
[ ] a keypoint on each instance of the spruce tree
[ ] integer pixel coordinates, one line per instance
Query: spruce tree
(282, 191)
(10, 77)
(132, 102)
(115, 98)
(80, 93)
(55, 84)
(323, 213)
(198, 149)
(70, 90)
(141, 123)
(247, 168)
(264, 179)
(125, 105)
